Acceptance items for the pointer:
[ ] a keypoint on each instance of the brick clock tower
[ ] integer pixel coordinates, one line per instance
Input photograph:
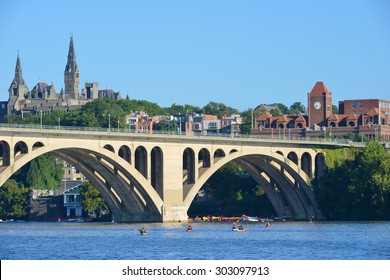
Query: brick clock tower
(319, 102)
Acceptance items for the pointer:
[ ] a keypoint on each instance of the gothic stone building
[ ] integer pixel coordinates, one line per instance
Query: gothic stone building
(44, 97)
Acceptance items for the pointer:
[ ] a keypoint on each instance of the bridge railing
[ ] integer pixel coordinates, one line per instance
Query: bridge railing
(113, 130)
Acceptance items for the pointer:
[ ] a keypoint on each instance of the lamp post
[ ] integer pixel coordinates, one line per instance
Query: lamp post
(109, 122)
(179, 123)
(289, 134)
(40, 112)
(59, 123)
(252, 119)
(118, 125)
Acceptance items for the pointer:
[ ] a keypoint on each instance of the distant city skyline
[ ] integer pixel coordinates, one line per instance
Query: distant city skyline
(192, 52)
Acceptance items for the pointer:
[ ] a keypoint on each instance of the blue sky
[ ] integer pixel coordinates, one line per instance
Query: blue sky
(240, 53)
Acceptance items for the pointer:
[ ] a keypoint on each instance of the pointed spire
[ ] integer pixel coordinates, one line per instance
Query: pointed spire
(71, 53)
(18, 87)
(71, 65)
(319, 89)
(18, 71)
(71, 74)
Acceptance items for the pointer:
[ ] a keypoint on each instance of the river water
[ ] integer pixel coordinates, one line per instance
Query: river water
(208, 241)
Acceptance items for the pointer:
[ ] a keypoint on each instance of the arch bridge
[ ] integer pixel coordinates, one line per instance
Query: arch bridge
(151, 177)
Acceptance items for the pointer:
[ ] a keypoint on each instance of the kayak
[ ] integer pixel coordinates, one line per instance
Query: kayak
(239, 230)
(249, 219)
(143, 233)
(189, 230)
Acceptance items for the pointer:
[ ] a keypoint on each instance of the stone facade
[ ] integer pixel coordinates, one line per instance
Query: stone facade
(44, 98)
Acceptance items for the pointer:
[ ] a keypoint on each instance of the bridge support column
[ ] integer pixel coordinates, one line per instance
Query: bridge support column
(174, 213)
(11, 156)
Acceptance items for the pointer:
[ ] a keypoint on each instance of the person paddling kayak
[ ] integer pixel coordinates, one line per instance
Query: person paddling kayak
(143, 231)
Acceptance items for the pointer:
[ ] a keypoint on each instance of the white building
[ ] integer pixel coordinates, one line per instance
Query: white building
(72, 202)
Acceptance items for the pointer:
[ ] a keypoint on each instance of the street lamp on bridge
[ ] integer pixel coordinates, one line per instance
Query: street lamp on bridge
(252, 119)
(109, 122)
(40, 112)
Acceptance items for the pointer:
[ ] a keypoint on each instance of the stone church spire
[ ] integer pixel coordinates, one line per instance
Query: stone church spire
(71, 74)
(18, 86)
(18, 72)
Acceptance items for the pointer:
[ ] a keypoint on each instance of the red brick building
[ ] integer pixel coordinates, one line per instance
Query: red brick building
(370, 117)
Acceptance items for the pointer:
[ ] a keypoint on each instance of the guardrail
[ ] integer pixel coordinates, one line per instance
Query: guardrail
(175, 133)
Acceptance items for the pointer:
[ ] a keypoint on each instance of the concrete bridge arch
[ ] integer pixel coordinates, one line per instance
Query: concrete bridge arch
(127, 192)
(282, 180)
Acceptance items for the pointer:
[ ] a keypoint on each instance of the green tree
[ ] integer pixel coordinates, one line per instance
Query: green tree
(166, 125)
(91, 199)
(283, 109)
(356, 185)
(296, 108)
(246, 121)
(218, 109)
(14, 200)
(176, 109)
(335, 109)
(43, 172)
(133, 105)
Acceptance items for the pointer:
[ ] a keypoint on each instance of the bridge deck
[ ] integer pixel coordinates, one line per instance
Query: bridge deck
(121, 134)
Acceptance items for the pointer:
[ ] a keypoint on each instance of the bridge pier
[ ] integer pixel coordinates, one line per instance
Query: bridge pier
(174, 213)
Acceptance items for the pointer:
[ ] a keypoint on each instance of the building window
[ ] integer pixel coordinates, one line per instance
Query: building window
(360, 104)
(353, 104)
(69, 198)
(212, 125)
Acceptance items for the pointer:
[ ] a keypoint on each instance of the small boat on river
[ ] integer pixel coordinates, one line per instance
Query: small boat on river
(239, 230)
